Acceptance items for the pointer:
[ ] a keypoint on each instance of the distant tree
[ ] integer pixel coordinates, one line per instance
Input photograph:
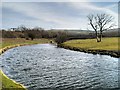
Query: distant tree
(100, 23)
(8, 34)
(22, 28)
(61, 37)
(32, 36)
(38, 28)
(52, 34)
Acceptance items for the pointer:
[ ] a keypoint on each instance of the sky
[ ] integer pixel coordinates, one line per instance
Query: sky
(53, 15)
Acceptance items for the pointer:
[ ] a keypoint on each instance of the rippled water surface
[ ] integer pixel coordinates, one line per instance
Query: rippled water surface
(46, 66)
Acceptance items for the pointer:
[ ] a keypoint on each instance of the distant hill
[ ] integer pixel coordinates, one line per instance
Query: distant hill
(82, 34)
(111, 32)
(90, 31)
(79, 31)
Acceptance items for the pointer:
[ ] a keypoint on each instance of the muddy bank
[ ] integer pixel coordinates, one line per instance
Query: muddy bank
(102, 52)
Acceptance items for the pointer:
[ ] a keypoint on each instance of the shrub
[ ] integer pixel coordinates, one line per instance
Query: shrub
(61, 37)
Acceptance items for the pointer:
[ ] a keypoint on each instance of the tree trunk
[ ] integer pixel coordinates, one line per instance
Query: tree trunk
(100, 36)
(97, 38)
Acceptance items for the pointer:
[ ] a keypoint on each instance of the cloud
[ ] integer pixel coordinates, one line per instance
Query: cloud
(32, 10)
(60, 1)
(54, 15)
(91, 8)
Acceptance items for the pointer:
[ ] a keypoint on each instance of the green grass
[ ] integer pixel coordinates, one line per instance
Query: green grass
(4, 42)
(91, 44)
(9, 84)
(5, 82)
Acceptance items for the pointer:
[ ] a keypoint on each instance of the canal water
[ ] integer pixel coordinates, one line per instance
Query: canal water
(47, 67)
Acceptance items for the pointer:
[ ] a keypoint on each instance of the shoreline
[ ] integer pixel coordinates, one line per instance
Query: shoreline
(115, 54)
(20, 86)
(2, 50)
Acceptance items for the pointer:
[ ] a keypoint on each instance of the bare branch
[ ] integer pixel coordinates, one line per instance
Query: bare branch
(91, 17)
(112, 25)
(101, 22)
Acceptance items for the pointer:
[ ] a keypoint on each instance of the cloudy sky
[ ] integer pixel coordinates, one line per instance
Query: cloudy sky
(48, 15)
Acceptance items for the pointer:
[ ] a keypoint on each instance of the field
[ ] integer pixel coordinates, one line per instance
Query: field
(4, 42)
(91, 44)
(7, 43)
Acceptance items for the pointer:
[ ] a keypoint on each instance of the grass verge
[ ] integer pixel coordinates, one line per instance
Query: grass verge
(108, 46)
(7, 43)
(9, 84)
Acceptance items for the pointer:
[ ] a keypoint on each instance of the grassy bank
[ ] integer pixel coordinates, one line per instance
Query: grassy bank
(7, 43)
(108, 46)
(8, 84)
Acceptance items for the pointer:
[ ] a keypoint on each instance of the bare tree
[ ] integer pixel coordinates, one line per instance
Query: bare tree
(22, 28)
(61, 37)
(100, 23)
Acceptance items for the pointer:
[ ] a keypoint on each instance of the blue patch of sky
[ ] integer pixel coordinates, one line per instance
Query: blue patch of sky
(11, 18)
(103, 4)
(107, 4)
(9, 13)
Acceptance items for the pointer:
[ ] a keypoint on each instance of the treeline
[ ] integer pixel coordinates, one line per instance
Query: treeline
(59, 36)
(28, 33)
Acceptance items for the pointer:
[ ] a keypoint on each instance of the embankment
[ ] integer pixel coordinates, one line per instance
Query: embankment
(108, 46)
(102, 52)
